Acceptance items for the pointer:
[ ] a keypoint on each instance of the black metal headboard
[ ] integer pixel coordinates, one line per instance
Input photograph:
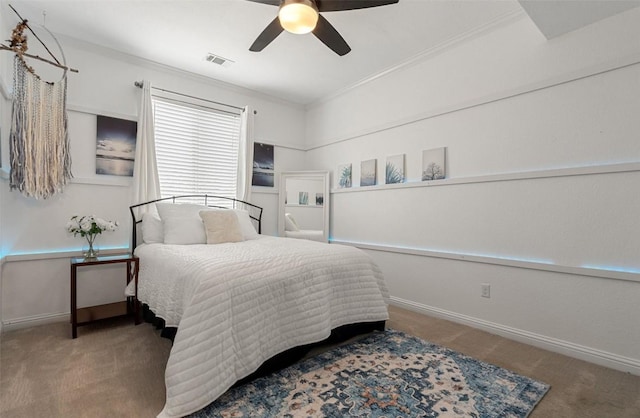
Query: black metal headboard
(255, 212)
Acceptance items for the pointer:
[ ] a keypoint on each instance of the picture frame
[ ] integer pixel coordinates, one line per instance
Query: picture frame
(368, 173)
(115, 146)
(344, 176)
(434, 164)
(263, 165)
(394, 169)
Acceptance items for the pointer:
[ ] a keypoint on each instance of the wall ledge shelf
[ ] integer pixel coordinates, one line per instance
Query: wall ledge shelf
(263, 190)
(54, 254)
(103, 181)
(603, 273)
(490, 178)
(304, 206)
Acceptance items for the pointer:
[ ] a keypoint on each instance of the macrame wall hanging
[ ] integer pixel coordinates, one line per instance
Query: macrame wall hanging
(39, 140)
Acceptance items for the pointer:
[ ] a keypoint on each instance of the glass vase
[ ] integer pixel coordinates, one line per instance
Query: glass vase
(90, 252)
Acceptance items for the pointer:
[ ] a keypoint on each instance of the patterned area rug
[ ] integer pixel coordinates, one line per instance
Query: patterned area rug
(387, 374)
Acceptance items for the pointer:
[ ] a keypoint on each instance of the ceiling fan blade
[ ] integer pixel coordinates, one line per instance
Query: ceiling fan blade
(269, 2)
(269, 33)
(338, 5)
(330, 36)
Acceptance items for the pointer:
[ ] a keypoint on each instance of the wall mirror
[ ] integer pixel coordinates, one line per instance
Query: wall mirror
(304, 205)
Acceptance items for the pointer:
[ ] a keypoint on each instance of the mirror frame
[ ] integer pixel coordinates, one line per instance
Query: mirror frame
(282, 193)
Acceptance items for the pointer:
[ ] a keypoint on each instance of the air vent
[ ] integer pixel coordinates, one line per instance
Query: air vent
(216, 59)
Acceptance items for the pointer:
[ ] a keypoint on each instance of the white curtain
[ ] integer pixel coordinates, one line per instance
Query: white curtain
(245, 155)
(146, 185)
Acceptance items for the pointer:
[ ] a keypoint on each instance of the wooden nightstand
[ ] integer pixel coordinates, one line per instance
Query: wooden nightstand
(89, 314)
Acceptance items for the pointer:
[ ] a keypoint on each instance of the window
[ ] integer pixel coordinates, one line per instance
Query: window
(196, 148)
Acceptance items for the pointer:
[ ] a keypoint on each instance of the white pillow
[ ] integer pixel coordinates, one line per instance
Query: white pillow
(182, 223)
(221, 226)
(246, 225)
(152, 230)
(290, 223)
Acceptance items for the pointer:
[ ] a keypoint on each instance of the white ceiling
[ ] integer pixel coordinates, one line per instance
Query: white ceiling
(557, 17)
(297, 68)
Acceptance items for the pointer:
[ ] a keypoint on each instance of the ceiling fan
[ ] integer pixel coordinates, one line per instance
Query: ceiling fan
(302, 16)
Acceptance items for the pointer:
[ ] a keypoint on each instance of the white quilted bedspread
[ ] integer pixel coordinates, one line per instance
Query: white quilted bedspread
(240, 304)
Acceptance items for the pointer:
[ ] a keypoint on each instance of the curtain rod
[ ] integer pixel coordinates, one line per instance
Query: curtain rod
(139, 84)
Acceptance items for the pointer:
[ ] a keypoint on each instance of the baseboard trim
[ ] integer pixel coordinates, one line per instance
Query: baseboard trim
(592, 355)
(35, 320)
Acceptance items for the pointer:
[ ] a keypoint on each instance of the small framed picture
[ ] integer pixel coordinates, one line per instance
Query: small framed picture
(394, 170)
(433, 164)
(343, 176)
(368, 173)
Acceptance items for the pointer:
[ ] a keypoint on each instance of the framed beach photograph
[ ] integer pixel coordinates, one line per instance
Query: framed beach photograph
(263, 166)
(115, 146)
(433, 164)
(368, 173)
(394, 170)
(343, 176)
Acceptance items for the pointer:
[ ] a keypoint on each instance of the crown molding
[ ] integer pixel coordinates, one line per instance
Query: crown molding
(154, 65)
(428, 54)
(550, 82)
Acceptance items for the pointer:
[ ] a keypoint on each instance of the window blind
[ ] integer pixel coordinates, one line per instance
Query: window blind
(196, 149)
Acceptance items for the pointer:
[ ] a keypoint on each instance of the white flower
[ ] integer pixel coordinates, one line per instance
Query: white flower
(85, 225)
(89, 225)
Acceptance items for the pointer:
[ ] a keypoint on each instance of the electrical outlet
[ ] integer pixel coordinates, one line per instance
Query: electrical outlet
(486, 290)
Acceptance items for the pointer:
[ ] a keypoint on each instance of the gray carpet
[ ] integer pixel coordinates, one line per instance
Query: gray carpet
(114, 369)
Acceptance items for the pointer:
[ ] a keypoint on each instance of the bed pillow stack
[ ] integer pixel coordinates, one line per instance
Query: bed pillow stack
(183, 224)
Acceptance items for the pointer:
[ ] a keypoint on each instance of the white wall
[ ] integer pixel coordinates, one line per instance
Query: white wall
(543, 164)
(35, 244)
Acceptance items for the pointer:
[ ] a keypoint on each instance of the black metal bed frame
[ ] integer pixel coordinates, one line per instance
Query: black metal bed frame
(255, 212)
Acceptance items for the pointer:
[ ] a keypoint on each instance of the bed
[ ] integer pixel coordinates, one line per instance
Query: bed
(243, 302)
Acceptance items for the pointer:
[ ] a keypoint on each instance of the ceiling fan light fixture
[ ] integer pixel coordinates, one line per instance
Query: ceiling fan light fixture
(298, 16)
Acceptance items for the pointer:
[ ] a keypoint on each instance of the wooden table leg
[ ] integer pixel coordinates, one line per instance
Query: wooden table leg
(74, 312)
(136, 303)
(132, 274)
